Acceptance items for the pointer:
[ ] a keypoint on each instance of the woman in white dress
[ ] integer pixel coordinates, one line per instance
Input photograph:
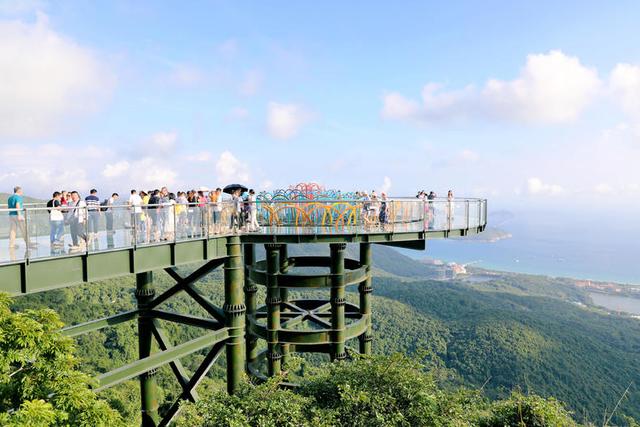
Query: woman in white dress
(170, 217)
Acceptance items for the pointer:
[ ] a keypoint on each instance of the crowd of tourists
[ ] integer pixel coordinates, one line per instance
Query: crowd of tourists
(161, 215)
(155, 215)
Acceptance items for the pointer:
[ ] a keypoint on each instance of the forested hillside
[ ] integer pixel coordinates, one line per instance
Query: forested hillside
(514, 332)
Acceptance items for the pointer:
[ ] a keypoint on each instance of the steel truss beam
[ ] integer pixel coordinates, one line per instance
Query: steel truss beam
(226, 330)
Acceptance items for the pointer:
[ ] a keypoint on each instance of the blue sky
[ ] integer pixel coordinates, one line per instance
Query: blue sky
(515, 102)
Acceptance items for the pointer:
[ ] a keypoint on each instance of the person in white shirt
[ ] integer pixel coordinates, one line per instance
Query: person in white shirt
(253, 212)
(77, 216)
(135, 204)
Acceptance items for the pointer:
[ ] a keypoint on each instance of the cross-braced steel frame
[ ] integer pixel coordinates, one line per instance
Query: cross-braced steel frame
(225, 332)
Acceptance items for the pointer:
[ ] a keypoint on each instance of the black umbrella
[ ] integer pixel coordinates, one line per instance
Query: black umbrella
(231, 188)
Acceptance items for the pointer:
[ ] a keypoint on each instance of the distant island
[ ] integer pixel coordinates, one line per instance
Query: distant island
(490, 235)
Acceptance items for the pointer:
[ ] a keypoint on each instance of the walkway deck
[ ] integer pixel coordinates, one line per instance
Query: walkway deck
(125, 240)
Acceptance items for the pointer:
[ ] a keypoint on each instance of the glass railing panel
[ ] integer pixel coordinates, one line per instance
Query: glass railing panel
(12, 224)
(110, 228)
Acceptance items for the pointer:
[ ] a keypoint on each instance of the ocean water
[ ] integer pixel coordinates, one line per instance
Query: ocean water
(616, 303)
(587, 244)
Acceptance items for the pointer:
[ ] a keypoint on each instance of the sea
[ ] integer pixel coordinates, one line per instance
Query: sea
(597, 244)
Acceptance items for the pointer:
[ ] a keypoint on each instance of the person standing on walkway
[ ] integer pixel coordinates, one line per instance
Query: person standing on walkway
(450, 208)
(252, 210)
(236, 209)
(17, 217)
(56, 221)
(93, 208)
(77, 217)
(108, 212)
(135, 205)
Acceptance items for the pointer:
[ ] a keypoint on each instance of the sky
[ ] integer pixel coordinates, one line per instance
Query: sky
(525, 103)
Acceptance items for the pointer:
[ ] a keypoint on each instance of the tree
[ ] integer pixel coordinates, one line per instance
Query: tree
(39, 381)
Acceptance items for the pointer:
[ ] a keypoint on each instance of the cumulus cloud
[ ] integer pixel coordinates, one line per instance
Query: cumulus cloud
(536, 186)
(624, 83)
(285, 120)
(161, 142)
(230, 169)
(46, 79)
(551, 88)
(114, 170)
(42, 168)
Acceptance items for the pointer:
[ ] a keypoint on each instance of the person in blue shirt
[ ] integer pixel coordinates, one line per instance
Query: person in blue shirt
(16, 217)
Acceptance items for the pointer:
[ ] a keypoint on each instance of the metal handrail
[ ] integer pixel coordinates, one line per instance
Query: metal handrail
(175, 222)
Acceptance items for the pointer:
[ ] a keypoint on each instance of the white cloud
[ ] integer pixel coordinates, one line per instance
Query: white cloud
(285, 120)
(251, 83)
(114, 170)
(536, 186)
(398, 107)
(46, 79)
(551, 88)
(624, 83)
(230, 170)
(603, 188)
(161, 143)
(201, 156)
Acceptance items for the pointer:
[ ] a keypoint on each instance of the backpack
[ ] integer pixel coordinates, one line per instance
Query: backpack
(104, 205)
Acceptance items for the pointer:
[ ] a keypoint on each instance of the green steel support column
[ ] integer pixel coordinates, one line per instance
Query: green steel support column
(234, 311)
(273, 310)
(250, 290)
(337, 301)
(284, 295)
(365, 289)
(148, 388)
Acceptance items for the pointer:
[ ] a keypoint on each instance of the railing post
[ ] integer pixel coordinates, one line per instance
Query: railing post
(148, 389)
(365, 290)
(466, 208)
(337, 301)
(135, 227)
(86, 229)
(234, 310)
(27, 240)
